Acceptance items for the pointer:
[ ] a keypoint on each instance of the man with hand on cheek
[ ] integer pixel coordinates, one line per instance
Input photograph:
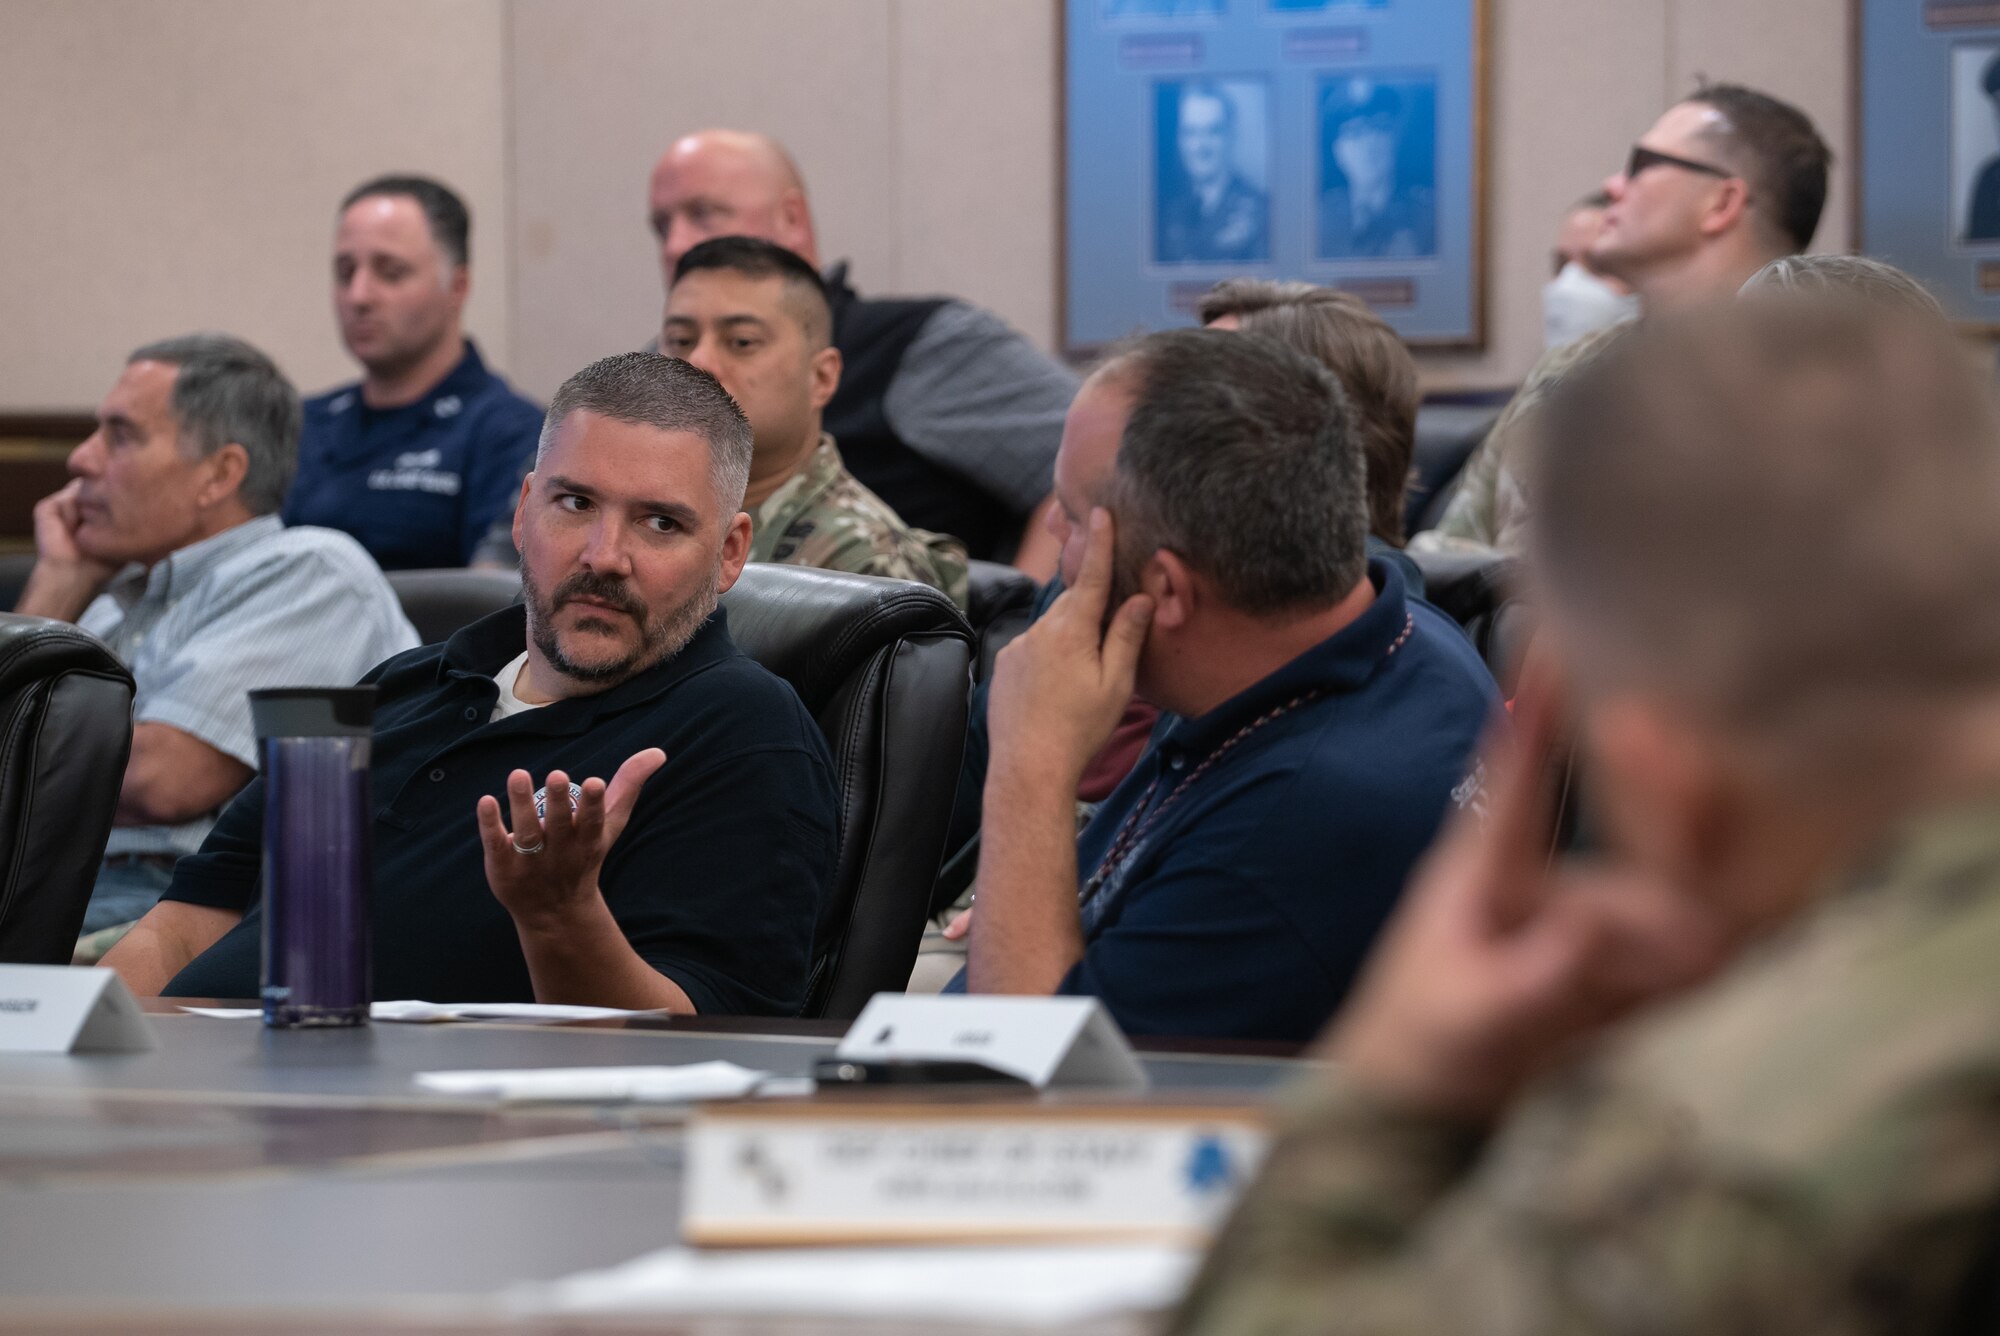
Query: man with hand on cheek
(1213, 518)
(628, 894)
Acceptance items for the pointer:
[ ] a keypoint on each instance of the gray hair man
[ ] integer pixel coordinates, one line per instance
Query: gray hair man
(1212, 514)
(1740, 1072)
(166, 544)
(497, 878)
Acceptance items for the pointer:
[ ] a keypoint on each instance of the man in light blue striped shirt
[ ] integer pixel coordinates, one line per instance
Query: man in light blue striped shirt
(167, 544)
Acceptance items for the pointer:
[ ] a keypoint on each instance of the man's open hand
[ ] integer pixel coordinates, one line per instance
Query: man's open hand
(1498, 964)
(1060, 687)
(546, 867)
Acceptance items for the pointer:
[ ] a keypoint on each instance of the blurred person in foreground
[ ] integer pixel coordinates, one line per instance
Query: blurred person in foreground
(1722, 184)
(1743, 1073)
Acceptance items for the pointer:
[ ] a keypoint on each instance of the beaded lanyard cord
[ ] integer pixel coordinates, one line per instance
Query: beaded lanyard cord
(1140, 820)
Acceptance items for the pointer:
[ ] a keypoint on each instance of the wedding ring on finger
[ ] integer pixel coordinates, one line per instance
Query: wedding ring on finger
(534, 848)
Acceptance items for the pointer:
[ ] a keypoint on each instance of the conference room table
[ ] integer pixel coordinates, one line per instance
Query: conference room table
(238, 1178)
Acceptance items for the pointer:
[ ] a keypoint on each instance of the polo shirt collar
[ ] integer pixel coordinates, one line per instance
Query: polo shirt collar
(491, 643)
(182, 570)
(1343, 662)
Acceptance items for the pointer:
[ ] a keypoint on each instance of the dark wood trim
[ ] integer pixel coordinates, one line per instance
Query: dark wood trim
(72, 427)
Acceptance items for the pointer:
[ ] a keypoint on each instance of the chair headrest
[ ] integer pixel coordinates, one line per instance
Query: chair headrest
(814, 627)
(993, 589)
(440, 602)
(34, 648)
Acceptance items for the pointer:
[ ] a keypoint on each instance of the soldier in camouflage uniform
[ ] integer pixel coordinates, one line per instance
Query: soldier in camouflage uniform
(756, 317)
(822, 516)
(1746, 1077)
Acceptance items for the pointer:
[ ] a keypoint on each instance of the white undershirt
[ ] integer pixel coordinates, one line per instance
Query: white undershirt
(507, 679)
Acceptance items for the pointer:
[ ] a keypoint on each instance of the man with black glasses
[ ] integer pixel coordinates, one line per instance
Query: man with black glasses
(1722, 184)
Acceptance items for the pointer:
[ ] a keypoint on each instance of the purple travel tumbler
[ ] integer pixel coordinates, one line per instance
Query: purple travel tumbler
(317, 867)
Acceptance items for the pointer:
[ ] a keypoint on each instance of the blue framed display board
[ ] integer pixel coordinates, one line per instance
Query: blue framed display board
(1927, 178)
(1337, 141)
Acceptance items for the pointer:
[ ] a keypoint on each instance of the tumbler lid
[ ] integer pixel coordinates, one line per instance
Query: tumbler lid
(313, 712)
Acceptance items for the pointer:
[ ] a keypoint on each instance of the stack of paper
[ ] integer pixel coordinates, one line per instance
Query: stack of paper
(697, 1080)
(1026, 1286)
(532, 1012)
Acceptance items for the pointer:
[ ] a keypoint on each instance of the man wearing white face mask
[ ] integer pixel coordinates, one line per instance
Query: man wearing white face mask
(1579, 300)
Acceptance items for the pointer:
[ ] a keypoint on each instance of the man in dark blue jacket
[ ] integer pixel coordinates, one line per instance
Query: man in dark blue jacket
(502, 873)
(1233, 882)
(425, 451)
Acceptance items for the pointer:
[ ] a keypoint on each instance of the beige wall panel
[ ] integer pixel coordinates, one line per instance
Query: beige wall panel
(1798, 50)
(1571, 83)
(979, 156)
(174, 165)
(600, 89)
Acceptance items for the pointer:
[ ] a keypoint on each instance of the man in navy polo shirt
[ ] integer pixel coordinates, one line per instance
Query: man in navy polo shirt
(427, 449)
(487, 885)
(1233, 883)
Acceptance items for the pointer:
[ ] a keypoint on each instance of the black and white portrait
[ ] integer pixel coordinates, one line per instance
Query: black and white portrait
(1378, 167)
(1975, 143)
(1212, 171)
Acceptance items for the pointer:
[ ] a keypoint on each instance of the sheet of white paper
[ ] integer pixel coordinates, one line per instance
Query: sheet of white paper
(545, 1012)
(1024, 1285)
(697, 1080)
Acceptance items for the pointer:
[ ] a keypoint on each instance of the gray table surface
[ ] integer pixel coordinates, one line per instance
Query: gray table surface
(237, 1176)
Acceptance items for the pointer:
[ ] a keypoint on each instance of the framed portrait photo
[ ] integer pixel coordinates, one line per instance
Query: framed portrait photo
(1337, 141)
(1927, 136)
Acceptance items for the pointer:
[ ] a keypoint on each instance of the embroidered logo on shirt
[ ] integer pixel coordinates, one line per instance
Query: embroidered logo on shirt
(416, 471)
(447, 406)
(542, 799)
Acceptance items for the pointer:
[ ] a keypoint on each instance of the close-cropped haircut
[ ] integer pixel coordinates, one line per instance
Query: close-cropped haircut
(1775, 147)
(450, 223)
(1855, 275)
(1241, 457)
(668, 394)
(1780, 516)
(1338, 330)
(228, 393)
(754, 257)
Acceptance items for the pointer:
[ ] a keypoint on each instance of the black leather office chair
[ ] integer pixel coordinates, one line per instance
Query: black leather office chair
(439, 602)
(1002, 601)
(1477, 590)
(14, 568)
(65, 733)
(884, 666)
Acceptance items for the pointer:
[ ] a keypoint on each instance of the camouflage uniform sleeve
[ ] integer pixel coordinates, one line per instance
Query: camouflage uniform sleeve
(1489, 507)
(1803, 1146)
(1343, 1194)
(856, 542)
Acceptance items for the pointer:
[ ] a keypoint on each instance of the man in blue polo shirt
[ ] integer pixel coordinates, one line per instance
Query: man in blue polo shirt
(487, 888)
(1233, 883)
(426, 450)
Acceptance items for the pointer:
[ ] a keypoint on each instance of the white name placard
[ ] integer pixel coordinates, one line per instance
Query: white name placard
(816, 1174)
(61, 1009)
(1046, 1041)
